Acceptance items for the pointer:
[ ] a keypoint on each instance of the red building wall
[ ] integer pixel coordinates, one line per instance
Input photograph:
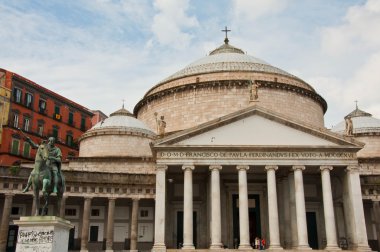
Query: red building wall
(48, 118)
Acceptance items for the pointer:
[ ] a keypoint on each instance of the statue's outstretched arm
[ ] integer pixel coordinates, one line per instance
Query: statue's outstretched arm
(33, 144)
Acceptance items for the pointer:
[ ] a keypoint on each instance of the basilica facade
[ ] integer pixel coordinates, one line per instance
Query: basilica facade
(226, 150)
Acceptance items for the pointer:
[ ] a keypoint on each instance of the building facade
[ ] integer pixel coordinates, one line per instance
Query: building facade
(39, 113)
(225, 150)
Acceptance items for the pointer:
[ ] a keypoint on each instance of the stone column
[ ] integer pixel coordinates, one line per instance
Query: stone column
(376, 214)
(110, 224)
(85, 224)
(274, 231)
(355, 200)
(293, 212)
(303, 242)
(5, 221)
(159, 219)
(243, 208)
(216, 219)
(63, 207)
(328, 208)
(135, 211)
(188, 207)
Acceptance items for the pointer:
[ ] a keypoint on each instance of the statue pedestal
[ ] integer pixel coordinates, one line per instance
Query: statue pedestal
(43, 233)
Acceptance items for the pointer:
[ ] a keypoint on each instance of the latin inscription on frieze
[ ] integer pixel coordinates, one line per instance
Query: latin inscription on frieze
(255, 155)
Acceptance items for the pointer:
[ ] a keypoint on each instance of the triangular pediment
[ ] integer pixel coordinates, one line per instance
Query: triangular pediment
(256, 127)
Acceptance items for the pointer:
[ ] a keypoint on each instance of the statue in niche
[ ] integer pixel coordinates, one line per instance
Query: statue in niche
(254, 95)
(161, 125)
(349, 126)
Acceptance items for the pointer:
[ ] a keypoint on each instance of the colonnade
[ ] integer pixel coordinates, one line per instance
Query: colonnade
(110, 224)
(6, 213)
(273, 216)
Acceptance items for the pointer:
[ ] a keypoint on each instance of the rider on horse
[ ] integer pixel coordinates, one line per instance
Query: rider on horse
(54, 163)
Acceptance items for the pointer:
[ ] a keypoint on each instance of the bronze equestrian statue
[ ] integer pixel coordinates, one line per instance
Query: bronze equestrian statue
(46, 174)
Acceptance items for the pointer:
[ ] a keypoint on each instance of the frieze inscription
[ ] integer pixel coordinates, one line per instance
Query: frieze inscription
(255, 155)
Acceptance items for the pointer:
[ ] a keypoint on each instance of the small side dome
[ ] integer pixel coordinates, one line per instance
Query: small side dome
(366, 129)
(120, 135)
(125, 120)
(363, 123)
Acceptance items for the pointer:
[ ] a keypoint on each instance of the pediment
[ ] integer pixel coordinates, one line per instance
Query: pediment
(256, 127)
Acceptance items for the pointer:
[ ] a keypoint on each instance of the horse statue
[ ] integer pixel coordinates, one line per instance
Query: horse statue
(41, 179)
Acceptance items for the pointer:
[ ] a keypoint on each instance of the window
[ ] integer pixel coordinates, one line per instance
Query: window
(71, 118)
(69, 139)
(15, 211)
(83, 124)
(17, 94)
(40, 129)
(15, 120)
(55, 132)
(95, 212)
(70, 212)
(57, 111)
(29, 100)
(15, 146)
(26, 124)
(42, 106)
(144, 213)
(26, 152)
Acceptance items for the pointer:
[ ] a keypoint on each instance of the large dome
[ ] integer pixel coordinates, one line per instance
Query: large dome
(225, 81)
(227, 58)
(120, 135)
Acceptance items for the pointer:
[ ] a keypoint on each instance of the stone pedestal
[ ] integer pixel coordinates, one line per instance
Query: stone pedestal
(43, 233)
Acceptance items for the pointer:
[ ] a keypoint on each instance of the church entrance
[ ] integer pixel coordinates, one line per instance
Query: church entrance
(254, 218)
(180, 229)
(312, 231)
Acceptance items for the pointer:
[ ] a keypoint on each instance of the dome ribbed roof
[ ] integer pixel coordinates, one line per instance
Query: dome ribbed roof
(362, 121)
(125, 120)
(226, 58)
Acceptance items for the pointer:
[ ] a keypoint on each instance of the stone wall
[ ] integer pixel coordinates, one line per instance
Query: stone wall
(371, 148)
(191, 107)
(117, 145)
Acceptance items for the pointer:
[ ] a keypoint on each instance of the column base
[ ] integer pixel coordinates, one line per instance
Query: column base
(303, 247)
(363, 248)
(109, 250)
(188, 247)
(275, 247)
(332, 248)
(216, 246)
(245, 247)
(159, 247)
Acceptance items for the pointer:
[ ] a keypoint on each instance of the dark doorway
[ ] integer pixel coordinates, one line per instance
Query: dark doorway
(180, 229)
(254, 218)
(312, 232)
(71, 239)
(12, 238)
(94, 230)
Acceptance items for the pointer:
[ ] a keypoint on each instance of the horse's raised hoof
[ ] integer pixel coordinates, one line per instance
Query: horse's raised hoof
(55, 190)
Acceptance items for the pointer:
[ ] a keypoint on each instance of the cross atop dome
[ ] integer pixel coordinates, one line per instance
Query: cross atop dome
(226, 31)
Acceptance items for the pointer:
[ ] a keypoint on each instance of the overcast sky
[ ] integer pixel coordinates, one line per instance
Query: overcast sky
(99, 52)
